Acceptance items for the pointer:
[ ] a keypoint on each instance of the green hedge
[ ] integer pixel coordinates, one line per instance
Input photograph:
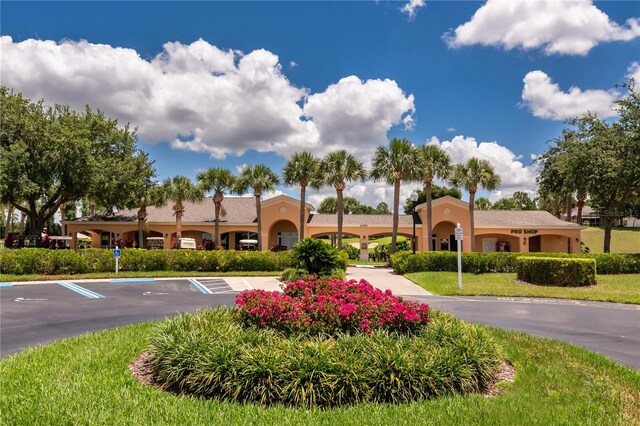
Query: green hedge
(562, 272)
(479, 263)
(49, 262)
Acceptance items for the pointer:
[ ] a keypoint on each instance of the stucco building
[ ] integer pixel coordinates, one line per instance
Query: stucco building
(517, 231)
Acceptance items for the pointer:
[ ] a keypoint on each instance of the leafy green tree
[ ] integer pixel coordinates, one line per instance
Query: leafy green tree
(50, 156)
(437, 191)
(302, 170)
(382, 208)
(398, 162)
(147, 195)
(219, 181)
(483, 203)
(336, 169)
(259, 178)
(524, 201)
(180, 189)
(473, 175)
(435, 164)
(328, 206)
(505, 204)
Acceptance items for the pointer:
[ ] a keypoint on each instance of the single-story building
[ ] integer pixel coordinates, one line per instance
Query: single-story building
(495, 230)
(591, 217)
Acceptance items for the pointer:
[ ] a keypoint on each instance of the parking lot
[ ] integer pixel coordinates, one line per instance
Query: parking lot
(37, 313)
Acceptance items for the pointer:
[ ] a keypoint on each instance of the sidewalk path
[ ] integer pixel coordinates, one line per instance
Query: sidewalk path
(386, 279)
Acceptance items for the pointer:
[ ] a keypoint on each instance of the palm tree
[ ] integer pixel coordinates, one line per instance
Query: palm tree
(151, 195)
(474, 174)
(259, 178)
(301, 169)
(483, 203)
(219, 181)
(180, 189)
(399, 162)
(336, 169)
(435, 164)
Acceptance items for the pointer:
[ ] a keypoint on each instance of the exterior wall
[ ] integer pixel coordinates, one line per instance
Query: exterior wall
(445, 211)
(281, 214)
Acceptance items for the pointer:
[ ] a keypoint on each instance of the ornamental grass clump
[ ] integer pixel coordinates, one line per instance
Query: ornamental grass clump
(330, 307)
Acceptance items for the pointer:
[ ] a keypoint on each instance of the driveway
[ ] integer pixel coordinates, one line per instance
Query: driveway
(33, 314)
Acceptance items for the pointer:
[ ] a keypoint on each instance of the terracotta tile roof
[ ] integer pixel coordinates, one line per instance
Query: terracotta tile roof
(238, 209)
(510, 218)
(361, 219)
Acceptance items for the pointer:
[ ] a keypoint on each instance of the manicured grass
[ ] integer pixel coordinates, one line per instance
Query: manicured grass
(610, 288)
(360, 262)
(85, 380)
(138, 274)
(381, 240)
(623, 240)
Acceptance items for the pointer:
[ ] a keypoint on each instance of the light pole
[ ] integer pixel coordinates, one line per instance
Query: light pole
(414, 198)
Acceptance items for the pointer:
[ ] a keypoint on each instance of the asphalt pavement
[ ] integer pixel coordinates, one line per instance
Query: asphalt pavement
(32, 314)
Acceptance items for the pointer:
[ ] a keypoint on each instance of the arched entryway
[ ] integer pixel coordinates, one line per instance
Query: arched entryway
(443, 237)
(283, 234)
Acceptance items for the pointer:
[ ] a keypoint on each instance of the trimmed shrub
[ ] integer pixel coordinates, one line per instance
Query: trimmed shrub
(352, 252)
(562, 272)
(478, 263)
(45, 261)
(208, 354)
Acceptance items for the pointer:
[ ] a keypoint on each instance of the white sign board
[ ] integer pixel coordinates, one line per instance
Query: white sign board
(459, 236)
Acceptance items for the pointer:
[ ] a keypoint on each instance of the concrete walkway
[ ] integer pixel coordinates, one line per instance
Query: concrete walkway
(386, 279)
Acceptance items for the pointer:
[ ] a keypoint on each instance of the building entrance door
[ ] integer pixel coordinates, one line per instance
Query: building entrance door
(453, 243)
(535, 244)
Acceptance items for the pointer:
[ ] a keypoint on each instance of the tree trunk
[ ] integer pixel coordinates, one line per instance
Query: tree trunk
(63, 230)
(472, 200)
(608, 222)
(142, 216)
(23, 218)
(568, 207)
(179, 211)
(396, 203)
(303, 195)
(427, 191)
(581, 197)
(258, 208)
(7, 228)
(340, 218)
(216, 237)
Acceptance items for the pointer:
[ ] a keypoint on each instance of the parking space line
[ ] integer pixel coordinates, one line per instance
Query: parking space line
(82, 291)
(247, 284)
(6, 285)
(132, 280)
(199, 286)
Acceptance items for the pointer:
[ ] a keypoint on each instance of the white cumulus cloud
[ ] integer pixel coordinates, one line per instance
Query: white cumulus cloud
(634, 72)
(355, 115)
(558, 27)
(514, 174)
(411, 7)
(545, 99)
(202, 98)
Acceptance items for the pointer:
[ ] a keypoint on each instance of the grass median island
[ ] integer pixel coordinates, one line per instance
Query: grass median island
(86, 380)
(609, 288)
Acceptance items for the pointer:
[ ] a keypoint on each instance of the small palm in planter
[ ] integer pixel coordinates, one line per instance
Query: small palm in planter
(317, 257)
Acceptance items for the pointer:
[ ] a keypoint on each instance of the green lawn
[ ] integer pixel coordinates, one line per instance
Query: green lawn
(136, 274)
(381, 240)
(623, 240)
(85, 380)
(610, 288)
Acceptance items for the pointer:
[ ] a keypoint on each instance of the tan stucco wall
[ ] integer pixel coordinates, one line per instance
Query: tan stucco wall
(280, 214)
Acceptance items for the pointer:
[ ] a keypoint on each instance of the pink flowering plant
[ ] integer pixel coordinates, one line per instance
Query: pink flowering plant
(330, 306)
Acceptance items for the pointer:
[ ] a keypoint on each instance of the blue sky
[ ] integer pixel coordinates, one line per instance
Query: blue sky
(273, 76)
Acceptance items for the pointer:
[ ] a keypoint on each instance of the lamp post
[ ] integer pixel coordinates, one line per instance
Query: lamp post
(414, 198)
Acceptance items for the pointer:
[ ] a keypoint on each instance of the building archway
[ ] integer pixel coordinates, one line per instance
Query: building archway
(443, 237)
(282, 234)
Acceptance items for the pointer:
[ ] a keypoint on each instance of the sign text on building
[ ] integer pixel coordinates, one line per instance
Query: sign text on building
(524, 231)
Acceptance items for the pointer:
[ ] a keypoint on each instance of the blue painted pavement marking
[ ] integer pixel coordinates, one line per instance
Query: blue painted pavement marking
(199, 286)
(81, 290)
(132, 280)
(6, 285)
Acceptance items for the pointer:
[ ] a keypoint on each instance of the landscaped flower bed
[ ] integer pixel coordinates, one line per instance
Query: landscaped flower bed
(329, 307)
(322, 343)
